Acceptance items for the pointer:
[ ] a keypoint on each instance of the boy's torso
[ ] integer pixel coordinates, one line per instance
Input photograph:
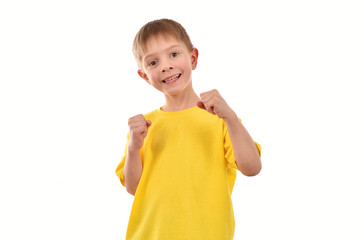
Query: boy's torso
(184, 188)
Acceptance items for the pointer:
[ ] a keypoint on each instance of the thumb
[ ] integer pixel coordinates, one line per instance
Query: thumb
(201, 105)
(148, 123)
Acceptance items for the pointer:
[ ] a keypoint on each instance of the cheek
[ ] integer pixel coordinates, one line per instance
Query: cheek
(152, 75)
(185, 65)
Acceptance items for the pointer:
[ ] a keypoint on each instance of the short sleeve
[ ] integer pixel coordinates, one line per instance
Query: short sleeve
(229, 152)
(120, 168)
(258, 146)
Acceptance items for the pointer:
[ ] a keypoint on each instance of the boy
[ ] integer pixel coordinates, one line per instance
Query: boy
(180, 160)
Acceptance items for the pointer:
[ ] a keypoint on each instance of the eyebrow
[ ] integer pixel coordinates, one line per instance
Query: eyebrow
(167, 49)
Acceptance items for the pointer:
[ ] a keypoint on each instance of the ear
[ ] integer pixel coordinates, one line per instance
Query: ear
(143, 76)
(194, 58)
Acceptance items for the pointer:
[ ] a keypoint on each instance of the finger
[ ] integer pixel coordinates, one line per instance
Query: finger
(212, 106)
(134, 125)
(205, 96)
(148, 123)
(211, 92)
(211, 95)
(208, 100)
(136, 118)
(206, 107)
(201, 105)
(209, 107)
(139, 119)
(137, 122)
(212, 110)
(139, 130)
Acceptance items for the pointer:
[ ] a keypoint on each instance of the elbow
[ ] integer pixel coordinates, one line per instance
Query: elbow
(131, 191)
(130, 188)
(253, 170)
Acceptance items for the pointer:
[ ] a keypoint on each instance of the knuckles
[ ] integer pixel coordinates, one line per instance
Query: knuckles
(137, 125)
(139, 130)
(211, 92)
(136, 118)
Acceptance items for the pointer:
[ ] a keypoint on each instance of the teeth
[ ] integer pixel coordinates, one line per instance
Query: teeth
(172, 78)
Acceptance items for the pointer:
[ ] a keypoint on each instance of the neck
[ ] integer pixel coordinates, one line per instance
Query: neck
(180, 102)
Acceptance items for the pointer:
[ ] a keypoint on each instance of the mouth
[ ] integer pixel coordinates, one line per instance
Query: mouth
(171, 79)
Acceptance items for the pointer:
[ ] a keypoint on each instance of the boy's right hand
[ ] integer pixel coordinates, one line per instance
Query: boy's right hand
(138, 131)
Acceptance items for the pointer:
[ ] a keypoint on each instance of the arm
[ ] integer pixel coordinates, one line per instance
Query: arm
(247, 157)
(133, 165)
(132, 170)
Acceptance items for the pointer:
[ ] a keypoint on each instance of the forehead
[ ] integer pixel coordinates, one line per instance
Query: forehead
(158, 43)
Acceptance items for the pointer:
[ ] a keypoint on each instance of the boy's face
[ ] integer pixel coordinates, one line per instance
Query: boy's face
(167, 65)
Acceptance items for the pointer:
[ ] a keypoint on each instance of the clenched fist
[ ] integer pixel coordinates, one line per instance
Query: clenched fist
(138, 128)
(214, 103)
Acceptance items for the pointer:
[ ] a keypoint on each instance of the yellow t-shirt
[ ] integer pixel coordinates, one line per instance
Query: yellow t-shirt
(189, 172)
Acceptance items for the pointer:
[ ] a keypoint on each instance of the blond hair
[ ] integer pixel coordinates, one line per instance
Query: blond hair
(164, 27)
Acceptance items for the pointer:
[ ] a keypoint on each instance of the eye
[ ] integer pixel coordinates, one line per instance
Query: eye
(152, 63)
(174, 54)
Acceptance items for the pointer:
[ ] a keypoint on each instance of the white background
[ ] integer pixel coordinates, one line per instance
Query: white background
(289, 69)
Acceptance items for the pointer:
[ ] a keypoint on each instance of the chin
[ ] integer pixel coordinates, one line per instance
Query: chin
(172, 93)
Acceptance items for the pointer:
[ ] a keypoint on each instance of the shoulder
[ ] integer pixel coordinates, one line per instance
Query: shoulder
(208, 120)
(151, 115)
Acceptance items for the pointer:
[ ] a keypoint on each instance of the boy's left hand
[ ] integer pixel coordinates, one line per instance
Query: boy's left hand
(215, 104)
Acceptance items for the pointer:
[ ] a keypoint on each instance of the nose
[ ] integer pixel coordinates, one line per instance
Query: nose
(166, 67)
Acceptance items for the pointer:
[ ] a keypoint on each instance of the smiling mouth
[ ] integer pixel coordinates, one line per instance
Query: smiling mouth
(173, 78)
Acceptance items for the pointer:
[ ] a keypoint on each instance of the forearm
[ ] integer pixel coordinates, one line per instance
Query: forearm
(132, 170)
(245, 152)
